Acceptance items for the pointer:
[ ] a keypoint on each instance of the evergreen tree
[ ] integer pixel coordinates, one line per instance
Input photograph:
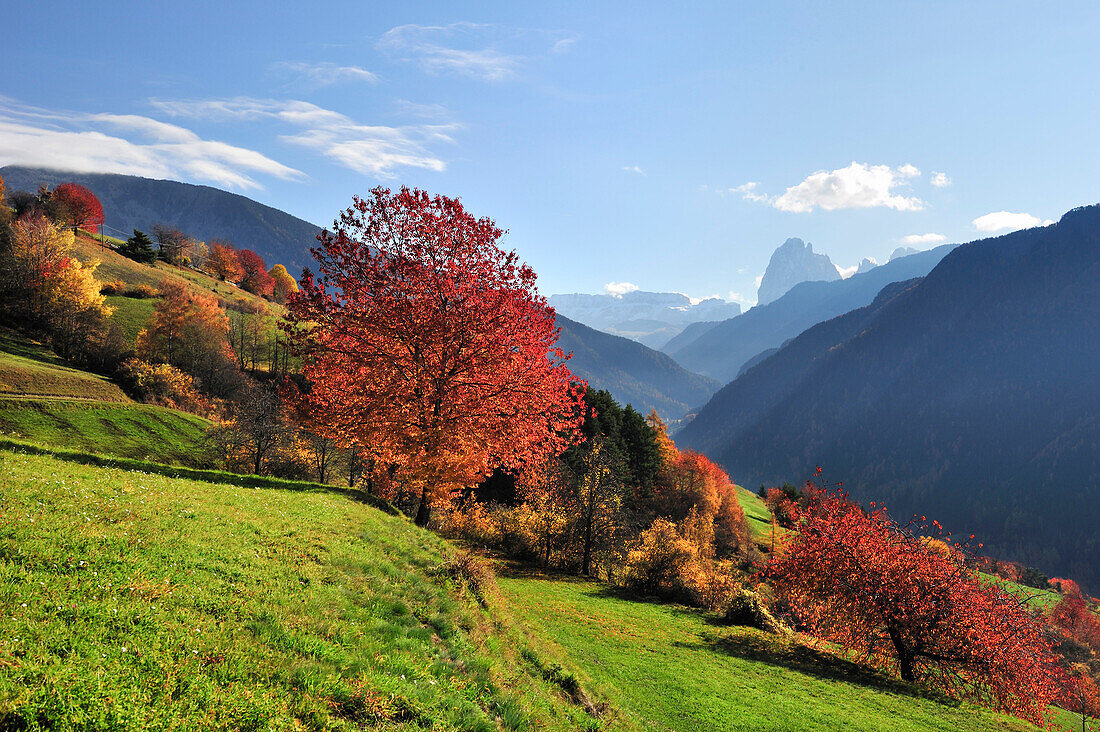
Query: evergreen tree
(139, 248)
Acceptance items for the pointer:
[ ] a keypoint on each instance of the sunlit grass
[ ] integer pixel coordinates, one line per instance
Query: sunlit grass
(130, 600)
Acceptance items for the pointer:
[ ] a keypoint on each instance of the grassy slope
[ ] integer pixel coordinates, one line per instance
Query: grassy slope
(114, 266)
(47, 402)
(666, 667)
(758, 517)
(130, 600)
(28, 368)
(140, 431)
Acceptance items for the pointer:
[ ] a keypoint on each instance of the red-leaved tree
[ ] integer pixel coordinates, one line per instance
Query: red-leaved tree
(77, 207)
(911, 606)
(427, 347)
(254, 275)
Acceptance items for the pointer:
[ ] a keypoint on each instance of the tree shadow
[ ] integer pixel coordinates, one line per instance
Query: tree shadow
(197, 474)
(760, 647)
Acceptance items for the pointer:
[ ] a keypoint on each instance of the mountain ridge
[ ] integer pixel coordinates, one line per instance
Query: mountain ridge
(133, 202)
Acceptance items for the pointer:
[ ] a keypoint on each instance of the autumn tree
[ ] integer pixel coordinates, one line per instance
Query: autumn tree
(256, 427)
(171, 242)
(284, 284)
(428, 347)
(599, 493)
(892, 598)
(77, 207)
(189, 330)
(139, 248)
(254, 276)
(222, 261)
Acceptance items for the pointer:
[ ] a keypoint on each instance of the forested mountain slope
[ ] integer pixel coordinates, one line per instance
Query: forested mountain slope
(971, 396)
(633, 373)
(131, 202)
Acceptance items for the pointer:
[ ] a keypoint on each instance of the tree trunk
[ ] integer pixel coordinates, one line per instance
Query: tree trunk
(905, 656)
(424, 512)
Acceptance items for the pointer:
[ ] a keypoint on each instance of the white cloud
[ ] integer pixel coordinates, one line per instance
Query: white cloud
(324, 73)
(741, 299)
(748, 192)
(563, 45)
(377, 150)
(1005, 220)
(923, 238)
(144, 146)
(757, 280)
(846, 272)
(940, 180)
(431, 46)
(857, 186)
(633, 169)
(618, 289)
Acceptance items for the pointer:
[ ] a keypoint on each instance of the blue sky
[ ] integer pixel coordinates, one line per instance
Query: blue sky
(672, 146)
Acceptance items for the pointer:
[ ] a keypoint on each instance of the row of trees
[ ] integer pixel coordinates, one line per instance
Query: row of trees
(624, 503)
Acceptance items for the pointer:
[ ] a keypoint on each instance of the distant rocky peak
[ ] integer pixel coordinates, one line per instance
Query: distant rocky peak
(794, 262)
(866, 264)
(902, 252)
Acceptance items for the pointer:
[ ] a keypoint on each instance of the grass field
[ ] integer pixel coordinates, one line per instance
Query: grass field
(28, 368)
(758, 517)
(134, 601)
(140, 431)
(668, 667)
(131, 314)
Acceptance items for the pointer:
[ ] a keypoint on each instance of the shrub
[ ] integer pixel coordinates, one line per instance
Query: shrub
(116, 287)
(142, 292)
(163, 384)
(476, 573)
(658, 560)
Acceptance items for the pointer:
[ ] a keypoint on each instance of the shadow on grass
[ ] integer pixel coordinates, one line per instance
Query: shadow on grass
(199, 474)
(759, 647)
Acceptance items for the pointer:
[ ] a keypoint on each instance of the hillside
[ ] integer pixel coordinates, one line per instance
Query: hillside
(720, 352)
(135, 601)
(46, 402)
(970, 396)
(132, 600)
(634, 374)
(131, 202)
(669, 667)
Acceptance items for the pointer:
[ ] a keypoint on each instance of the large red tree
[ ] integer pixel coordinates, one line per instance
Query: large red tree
(428, 347)
(77, 207)
(910, 605)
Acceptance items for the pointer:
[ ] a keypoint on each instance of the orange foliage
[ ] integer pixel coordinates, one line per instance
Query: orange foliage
(222, 262)
(188, 330)
(428, 346)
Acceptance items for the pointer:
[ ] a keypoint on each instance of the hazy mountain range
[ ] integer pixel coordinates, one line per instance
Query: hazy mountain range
(633, 373)
(970, 395)
(721, 349)
(130, 202)
(651, 318)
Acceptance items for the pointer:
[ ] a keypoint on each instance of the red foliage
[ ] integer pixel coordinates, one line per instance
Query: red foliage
(77, 206)
(884, 593)
(1073, 617)
(254, 275)
(429, 347)
(1066, 586)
